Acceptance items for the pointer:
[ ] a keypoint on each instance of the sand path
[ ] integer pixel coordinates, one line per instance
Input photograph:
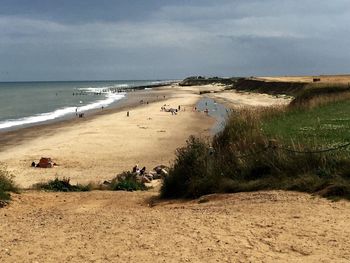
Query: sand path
(105, 226)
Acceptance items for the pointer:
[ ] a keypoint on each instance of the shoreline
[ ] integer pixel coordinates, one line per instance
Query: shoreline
(69, 116)
(131, 101)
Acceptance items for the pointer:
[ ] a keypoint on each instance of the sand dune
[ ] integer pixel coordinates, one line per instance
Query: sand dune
(234, 99)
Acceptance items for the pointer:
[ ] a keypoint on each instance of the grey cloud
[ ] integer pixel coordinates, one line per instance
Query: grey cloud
(172, 41)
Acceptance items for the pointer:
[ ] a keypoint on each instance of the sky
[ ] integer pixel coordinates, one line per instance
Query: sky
(160, 39)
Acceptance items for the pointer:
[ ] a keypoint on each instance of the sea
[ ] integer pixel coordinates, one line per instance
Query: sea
(25, 104)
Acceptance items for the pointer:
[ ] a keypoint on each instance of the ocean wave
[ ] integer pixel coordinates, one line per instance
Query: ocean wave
(104, 89)
(59, 113)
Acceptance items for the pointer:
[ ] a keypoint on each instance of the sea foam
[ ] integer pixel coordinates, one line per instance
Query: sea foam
(59, 113)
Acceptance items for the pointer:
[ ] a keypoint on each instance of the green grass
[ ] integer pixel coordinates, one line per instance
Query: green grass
(327, 125)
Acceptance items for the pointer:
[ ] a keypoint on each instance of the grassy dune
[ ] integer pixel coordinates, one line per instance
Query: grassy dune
(271, 149)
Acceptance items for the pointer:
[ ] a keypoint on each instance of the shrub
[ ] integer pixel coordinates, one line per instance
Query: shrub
(6, 183)
(62, 185)
(127, 181)
(190, 176)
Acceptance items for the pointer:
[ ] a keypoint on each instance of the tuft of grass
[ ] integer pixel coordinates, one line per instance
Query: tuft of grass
(62, 185)
(7, 184)
(127, 181)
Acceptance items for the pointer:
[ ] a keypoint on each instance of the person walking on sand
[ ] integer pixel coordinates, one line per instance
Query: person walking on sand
(127, 114)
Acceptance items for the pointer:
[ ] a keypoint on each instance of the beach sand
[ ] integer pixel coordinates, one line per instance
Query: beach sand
(102, 226)
(97, 148)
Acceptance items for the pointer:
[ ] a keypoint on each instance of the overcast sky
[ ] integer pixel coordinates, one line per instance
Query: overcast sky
(159, 39)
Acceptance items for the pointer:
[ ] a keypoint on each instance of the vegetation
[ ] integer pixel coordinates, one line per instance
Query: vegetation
(63, 185)
(127, 181)
(271, 149)
(314, 95)
(6, 184)
(326, 125)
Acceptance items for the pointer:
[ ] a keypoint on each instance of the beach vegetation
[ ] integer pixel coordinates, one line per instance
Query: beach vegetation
(284, 148)
(62, 185)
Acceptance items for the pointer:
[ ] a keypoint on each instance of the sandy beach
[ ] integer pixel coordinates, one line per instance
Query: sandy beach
(98, 147)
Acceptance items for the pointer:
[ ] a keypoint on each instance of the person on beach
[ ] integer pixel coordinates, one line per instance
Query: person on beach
(127, 114)
(179, 107)
(143, 170)
(136, 169)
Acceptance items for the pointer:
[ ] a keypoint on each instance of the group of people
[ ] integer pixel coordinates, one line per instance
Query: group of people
(172, 110)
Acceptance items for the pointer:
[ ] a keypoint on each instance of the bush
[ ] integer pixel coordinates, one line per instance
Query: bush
(6, 183)
(127, 181)
(62, 185)
(191, 174)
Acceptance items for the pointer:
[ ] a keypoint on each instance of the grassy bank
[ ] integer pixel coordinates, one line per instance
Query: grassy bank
(272, 149)
(326, 125)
